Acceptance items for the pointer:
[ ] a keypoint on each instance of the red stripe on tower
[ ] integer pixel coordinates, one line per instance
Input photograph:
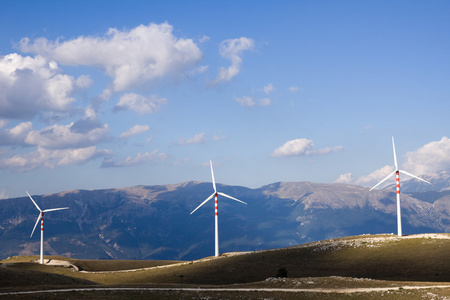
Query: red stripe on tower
(217, 209)
(42, 221)
(398, 181)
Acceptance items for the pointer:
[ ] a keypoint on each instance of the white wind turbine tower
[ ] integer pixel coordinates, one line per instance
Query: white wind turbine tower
(216, 209)
(41, 216)
(397, 178)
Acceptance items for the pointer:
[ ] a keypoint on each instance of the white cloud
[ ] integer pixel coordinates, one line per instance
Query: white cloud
(196, 139)
(248, 101)
(57, 145)
(204, 39)
(155, 155)
(245, 101)
(32, 85)
(181, 161)
(431, 157)
(79, 134)
(345, 178)
(269, 88)
(15, 135)
(293, 89)
(135, 130)
(198, 70)
(20, 130)
(376, 176)
(368, 180)
(265, 102)
(105, 95)
(139, 103)
(218, 136)
(202, 69)
(131, 58)
(232, 49)
(3, 194)
(302, 147)
(83, 81)
(51, 158)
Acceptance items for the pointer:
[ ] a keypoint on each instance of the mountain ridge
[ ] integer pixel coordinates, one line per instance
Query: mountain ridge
(154, 221)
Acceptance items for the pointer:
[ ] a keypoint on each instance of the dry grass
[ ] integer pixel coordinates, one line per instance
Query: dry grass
(120, 265)
(339, 263)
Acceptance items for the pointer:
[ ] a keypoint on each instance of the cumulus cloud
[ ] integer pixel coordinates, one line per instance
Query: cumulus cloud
(141, 104)
(302, 147)
(57, 145)
(83, 133)
(431, 157)
(232, 49)
(376, 176)
(204, 39)
(269, 88)
(345, 178)
(16, 135)
(218, 136)
(131, 57)
(293, 89)
(265, 102)
(370, 179)
(3, 194)
(245, 101)
(51, 158)
(198, 70)
(32, 85)
(251, 101)
(135, 130)
(155, 155)
(196, 139)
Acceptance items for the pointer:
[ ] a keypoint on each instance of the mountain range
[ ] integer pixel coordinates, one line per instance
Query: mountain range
(154, 222)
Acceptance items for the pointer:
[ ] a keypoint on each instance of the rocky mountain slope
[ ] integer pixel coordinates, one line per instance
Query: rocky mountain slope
(154, 222)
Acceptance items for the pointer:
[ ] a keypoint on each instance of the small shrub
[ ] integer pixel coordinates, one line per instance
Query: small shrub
(281, 272)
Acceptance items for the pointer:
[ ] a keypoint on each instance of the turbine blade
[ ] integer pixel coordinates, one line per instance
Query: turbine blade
(395, 156)
(212, 174)
(409, 174)
(387, 177)
(232, 198)
(53, 209)
(207, 199)
(33, 202)
(37, 221)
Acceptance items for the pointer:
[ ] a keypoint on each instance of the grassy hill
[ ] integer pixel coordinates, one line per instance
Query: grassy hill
(385, 257)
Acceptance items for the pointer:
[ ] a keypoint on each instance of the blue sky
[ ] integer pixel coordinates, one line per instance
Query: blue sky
(101, 94)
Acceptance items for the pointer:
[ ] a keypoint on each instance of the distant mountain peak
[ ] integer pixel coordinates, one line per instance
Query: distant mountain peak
(154, 221)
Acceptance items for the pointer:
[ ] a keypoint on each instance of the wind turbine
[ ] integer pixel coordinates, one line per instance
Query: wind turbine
(397, 179)
(41, 216)
(216, 241)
